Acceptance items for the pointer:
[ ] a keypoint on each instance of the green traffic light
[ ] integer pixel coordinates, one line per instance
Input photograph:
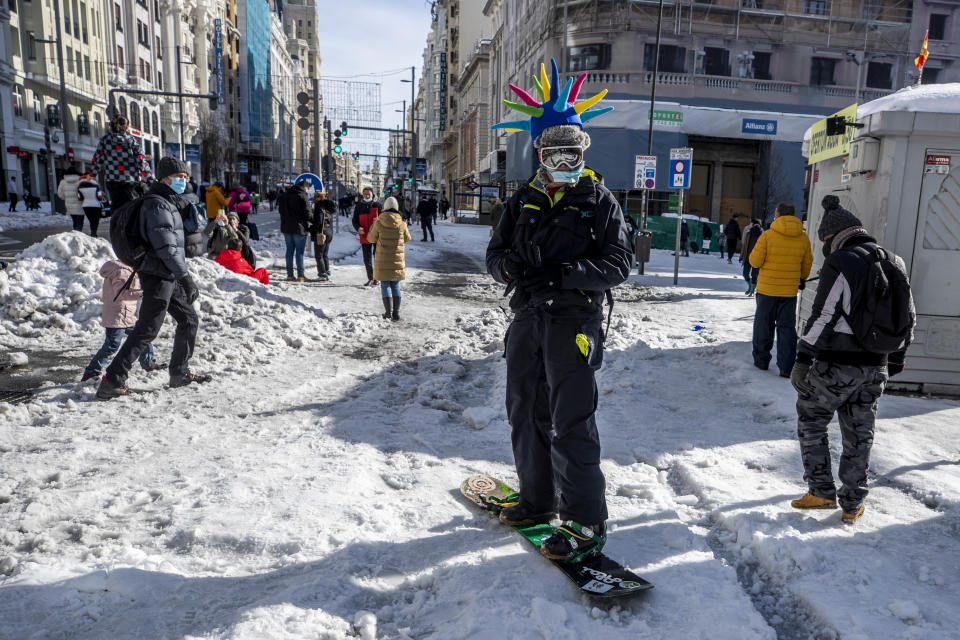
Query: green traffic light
(337, 149)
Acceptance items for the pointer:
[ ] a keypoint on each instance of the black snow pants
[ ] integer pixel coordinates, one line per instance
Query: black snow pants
(159, 297)
(551, 405)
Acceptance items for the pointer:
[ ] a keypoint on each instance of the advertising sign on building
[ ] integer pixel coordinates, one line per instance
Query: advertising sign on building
(218, 57)
(936, 163)
(824, 147)
(191, 152)
(421, 167)
(757, 126)
(666, 118)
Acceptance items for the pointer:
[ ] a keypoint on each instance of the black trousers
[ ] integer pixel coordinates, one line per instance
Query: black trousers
(731, 247)
(93, 215)
(750, 272)
(159, 297)
(243, 218)
(322, 253)
(123, 192)
(780, 315)
(427, 226)
(13, 201)
(368, 251)
(551, 402)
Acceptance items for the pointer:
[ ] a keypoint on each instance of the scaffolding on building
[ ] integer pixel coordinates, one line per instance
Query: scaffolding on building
(358, 104)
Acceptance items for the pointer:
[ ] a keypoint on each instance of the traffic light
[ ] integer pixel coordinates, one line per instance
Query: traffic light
(356, 156)
(343, 128)
(212, 101)
(53, 115)
(337, 148)
(303, 110)
(337, 141)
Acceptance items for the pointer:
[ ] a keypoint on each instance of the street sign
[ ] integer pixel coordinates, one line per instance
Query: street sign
(218, 57)
(472, 185)
(422, 167)
(242, 166)
(680, 164)
(645, 172)
(314, 183)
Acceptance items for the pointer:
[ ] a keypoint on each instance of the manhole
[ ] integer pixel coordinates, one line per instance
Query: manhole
(15, 397)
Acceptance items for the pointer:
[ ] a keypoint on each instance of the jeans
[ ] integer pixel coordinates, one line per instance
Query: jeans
(77, 222)
(427, 225)
(322, 252)
(159, 297)
(780, 315)
(389, 288)
(110, 346)
(296, 243)
(368, 251)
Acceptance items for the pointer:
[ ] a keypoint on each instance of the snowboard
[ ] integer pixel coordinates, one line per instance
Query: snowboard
(597, 576)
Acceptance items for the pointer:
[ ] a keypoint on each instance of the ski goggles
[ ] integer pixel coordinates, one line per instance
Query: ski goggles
(554, 157)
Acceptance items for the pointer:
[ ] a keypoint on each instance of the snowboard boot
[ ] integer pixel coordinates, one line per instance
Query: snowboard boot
(189, 378)
(572, 542)
(517, 515)
(386, 308)
(109, 391)
(810, 501)
(396, 308)
(850, 518)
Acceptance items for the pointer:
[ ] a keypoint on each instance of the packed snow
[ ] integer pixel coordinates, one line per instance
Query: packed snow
(23, 219)
(311, 490)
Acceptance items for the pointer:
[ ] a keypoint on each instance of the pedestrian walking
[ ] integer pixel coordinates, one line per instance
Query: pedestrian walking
(295, 223)
(215, 200)
(707, 237)
(842, 368)
(444, 207)
(91, 200)
(67, 191)
(166, 283)
(120, 164)
(389, 233)
(364, 213)
(427, 211)
(749, 240)
(13, 192)
(732, 234)
(684, 238)
(560, 246)
(118, 317)
(240, 203)
(783, 256)
(322, 232)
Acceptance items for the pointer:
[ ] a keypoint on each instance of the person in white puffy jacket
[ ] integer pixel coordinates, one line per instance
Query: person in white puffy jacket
(67, 191)
(91, 199)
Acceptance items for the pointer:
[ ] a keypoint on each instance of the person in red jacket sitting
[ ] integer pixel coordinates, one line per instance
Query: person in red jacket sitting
(231, 259)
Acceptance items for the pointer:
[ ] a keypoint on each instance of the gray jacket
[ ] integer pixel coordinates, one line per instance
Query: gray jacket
(162, 226)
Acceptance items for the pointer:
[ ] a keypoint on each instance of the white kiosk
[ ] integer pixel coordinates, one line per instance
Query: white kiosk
(900, 174)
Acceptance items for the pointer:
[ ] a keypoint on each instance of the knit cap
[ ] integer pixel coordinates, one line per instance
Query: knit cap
(835, 218)
(169, 166)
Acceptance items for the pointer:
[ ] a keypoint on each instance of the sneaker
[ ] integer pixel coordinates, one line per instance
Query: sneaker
(572, 542)
(519, 516)
(850, 518)
(89, 376)
(189, 378)
(156, 366)
(109, 391)
(810, 501)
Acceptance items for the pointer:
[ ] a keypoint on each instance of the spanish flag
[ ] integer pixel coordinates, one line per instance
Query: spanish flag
(922, 58)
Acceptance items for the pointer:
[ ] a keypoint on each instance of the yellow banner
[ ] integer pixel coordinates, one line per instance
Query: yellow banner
(823, 146)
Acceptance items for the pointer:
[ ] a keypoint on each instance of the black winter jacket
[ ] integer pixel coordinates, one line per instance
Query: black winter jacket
(826, 335)
(732, 230)
(162, 226)
(295, 212)
(583, 234)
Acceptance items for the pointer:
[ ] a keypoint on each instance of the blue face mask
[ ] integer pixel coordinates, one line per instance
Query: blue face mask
(566, 176)
(179, 185)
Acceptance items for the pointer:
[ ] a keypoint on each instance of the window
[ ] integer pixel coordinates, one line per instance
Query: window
(672, 59)
(157, 48)
(122, 106)
(821, 71)
(134, 116)
(69, 60)
(761, 65)
(79, 65)
(76, 20)
(938, 26)
(160, 80)
(37, 108)
(120, 56)
(31, 47)
(589, 56)
(815, 7)
(930, 76)
(879, 76)
(156, 124)
(146, 76)
(716, 61)
(83, 21)
(86, 67)
(118, 18)
(146, 120)
(18, 101)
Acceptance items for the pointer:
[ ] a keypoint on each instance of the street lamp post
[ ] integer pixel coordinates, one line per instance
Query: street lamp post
(64, 114)
(413, 127)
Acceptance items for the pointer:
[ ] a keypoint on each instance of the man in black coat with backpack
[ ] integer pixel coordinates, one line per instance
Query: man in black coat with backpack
(166, 283)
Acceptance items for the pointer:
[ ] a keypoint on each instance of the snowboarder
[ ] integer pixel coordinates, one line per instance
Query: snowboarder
(834, 373)
(389, 233)
(167, 286)
(783, 256)
(561, 244)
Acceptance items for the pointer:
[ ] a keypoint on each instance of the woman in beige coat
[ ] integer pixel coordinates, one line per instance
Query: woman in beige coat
(389, 232)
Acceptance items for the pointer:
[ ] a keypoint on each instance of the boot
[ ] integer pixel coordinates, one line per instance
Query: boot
(386, 308)
(109, 391)
(572, 542)
(851, 517)
(396, 308)
(189, 378)
(753, 289)
(810, 501)
(519, 516)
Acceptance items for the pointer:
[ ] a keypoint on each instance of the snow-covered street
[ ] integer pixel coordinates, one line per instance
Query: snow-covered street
(311, 490)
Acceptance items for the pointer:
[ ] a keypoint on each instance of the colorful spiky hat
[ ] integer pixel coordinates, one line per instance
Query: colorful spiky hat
(558, 106)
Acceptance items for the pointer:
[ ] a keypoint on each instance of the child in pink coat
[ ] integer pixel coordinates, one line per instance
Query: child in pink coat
(118, 317)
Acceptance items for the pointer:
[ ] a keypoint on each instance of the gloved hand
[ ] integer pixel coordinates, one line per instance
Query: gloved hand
(802, 285)
(548, 276)
(798, 378)
(895, 363)
(190, 288)
(512, 266)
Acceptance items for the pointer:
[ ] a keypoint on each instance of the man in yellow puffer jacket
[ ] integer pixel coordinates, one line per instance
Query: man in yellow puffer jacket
(784, 258)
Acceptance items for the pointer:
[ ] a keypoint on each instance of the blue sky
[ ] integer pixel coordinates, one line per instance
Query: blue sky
(360, 37)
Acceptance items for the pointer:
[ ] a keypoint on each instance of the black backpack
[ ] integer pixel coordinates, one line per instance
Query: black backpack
(883, 321)
(125, 237)
(194, 218)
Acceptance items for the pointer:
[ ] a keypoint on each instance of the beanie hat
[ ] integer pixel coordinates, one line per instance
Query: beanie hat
(169, 166)
(835, 218)
(563, 135)
(390, 204)
(233, 214)
(365, 186)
